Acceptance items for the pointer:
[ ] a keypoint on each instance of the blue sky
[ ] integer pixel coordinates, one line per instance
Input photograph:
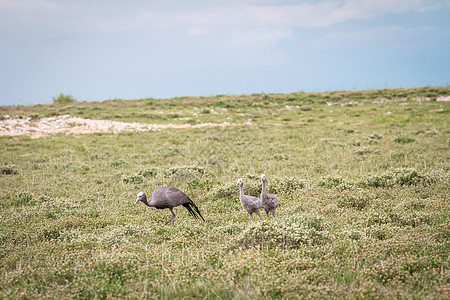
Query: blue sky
(105, 49)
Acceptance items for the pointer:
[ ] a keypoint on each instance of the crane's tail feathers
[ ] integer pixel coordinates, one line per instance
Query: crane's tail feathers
(198, 211)
(191, 212)
(195, 213)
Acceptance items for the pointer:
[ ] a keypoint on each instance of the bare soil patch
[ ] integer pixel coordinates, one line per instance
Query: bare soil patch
(74, 125)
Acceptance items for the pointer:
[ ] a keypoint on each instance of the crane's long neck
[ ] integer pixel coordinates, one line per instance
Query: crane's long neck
(263, 191)
(146, 203)
(241, 192)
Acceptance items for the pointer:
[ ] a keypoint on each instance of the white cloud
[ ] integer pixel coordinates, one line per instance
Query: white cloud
(377, 39)
(114, 15)
(430, 7)
(239, 24)
(197, 31)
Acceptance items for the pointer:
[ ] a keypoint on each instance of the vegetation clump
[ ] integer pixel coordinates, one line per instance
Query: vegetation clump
(184, 172)
(353, 234)
(289, 232)
(57, 207)
(335, 182)
(139, 177)
(119, 235)
(330, 181)
(286, 184)
(61, 98)
(135, 179)
(404, 140)
(8, 170)
(401, 176)
(226, 190)
(353, 200)
(390, 178)
(117, 163)
(383, 231)
(152, 172)
(400, 218)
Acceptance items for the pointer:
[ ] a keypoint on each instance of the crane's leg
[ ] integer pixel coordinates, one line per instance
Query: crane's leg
(259, 215)
(273, 212)
(267, 212)
(251, 217)
(171, 220)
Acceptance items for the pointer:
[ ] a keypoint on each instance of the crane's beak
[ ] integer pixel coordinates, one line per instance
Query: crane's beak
(137, 200)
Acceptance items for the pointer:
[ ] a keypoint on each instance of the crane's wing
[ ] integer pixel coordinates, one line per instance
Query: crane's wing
(168, 197)
(165, 197)
(273, 201)
(251, 203)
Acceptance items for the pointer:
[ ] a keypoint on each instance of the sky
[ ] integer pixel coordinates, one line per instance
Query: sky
(111, 49)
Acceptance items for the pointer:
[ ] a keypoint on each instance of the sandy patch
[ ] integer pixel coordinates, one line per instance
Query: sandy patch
(74, 125)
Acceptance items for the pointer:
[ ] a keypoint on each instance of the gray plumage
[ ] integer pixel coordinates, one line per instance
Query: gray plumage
(249, 203)
(268, 202)
(169, 197)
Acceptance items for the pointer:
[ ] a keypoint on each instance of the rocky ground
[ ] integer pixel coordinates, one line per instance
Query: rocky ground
(74, 125)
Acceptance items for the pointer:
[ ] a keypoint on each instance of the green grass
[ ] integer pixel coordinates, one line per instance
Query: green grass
(362, 177)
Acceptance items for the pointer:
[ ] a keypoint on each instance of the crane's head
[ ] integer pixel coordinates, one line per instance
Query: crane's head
(141, 196)
(263, 177)
(240, 182)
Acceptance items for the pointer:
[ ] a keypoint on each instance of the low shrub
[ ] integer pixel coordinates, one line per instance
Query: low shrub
(383, 231)
(152, 172)
(439, 176)
(400, 218)
(330, 181)
(251, 177)
(117, 163)
(404, 140)
(54, 208)
(44, 198)
(136, 179)
(403, 176)
(8, 170)
(375, 136)
(358, 201)
(119, 235)
(413, 218)
(378, 218)
(184, 172)
(203, 185)
(336, 182)
(61, 98)
(279, 156)
(284, 185)
(289, 232)
(353, 234)
(225, 190)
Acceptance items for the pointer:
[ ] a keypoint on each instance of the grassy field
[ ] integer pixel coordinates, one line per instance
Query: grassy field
(362, 177)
